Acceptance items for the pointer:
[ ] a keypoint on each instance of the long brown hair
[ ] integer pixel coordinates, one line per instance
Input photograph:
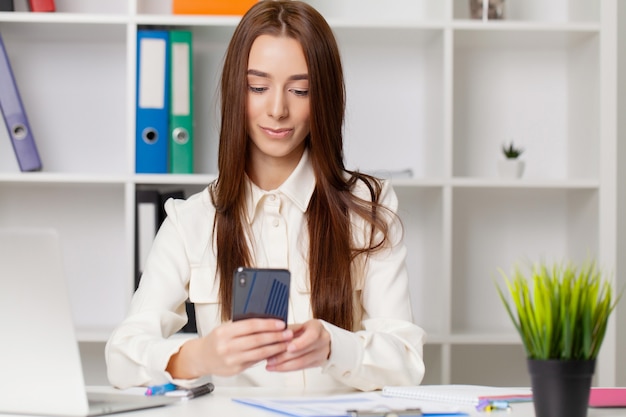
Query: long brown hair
(331, 251)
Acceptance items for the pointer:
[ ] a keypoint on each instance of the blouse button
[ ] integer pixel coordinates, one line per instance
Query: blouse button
(275, 222)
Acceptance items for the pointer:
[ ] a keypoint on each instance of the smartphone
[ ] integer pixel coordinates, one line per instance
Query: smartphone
(261, 293)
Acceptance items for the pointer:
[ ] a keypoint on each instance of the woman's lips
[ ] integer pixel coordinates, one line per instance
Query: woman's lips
(277, 133)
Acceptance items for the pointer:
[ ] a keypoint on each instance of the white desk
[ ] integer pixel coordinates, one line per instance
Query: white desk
(219, 404)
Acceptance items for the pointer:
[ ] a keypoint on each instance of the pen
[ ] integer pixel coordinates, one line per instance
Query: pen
(199, 391)
(160, 389)
(189, 393)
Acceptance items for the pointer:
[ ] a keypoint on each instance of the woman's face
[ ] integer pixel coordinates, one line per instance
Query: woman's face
(278, 100)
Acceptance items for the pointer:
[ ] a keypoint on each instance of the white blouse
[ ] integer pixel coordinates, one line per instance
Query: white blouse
(387, 349)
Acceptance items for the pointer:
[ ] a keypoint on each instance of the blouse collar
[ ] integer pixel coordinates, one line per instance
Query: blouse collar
(298, 187)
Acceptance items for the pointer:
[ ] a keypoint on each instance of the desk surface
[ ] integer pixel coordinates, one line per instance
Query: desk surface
(219, 403)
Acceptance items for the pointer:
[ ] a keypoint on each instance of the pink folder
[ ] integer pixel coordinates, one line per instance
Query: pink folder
(607, 397)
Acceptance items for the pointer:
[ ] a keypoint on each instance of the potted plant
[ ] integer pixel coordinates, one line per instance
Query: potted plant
(561, 313)
(511, 166)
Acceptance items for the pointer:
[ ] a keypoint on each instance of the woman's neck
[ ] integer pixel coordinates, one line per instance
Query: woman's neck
(269, 173)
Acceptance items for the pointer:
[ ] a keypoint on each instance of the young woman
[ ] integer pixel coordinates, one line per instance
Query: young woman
(283, 199)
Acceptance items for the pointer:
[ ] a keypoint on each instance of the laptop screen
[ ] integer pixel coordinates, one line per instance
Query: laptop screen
(41, 367)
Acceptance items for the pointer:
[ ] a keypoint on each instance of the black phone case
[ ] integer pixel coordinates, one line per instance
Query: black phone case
(261, 293)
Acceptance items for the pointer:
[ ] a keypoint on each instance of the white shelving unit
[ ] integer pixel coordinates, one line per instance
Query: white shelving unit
(429, 89)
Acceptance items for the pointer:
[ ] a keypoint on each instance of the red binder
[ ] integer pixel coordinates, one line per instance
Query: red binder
(41, 5)
(217, 7)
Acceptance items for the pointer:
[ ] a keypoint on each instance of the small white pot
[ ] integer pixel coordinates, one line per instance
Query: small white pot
(510, 168)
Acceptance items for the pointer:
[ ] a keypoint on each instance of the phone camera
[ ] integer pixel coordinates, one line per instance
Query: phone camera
(243, 279)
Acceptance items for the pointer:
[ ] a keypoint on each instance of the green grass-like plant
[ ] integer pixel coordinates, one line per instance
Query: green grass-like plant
(560, 311)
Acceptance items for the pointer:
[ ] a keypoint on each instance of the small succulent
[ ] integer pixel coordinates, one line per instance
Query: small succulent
(511, 151)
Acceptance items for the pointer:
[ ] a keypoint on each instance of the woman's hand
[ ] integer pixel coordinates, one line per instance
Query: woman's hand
(230, 348)
(309, 348)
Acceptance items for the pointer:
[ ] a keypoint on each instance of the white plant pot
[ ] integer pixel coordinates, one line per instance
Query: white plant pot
(510, 168)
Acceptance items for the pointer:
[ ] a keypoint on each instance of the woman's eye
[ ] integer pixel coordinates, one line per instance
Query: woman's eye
(300, 93)
(257, 90)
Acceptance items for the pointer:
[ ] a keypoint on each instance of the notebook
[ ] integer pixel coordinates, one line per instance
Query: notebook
(371, 403)
(473, 395)
(40, 361)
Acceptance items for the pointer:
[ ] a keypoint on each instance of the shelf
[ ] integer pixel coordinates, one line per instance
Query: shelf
(66, 179)
(479, 339)
(537, 184)
(429, 91)
(64, 18)
(174, 179)
(396, 25)
(414, 182)
(187, 20)
(528, 28)
(205, 179)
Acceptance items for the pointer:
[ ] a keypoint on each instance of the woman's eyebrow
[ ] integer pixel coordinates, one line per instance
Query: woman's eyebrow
(295, 77)
(298, 77)
(258, 73)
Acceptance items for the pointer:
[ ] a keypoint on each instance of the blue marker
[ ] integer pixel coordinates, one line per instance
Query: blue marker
(160, 389)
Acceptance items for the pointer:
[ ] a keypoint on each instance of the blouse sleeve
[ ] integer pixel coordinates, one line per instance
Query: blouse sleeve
(139, 349)
(388, 350)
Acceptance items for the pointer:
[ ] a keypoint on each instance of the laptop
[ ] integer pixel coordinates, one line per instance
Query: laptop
(40, 366)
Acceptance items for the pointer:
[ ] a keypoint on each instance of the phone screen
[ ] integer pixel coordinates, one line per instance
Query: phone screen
(261, 293)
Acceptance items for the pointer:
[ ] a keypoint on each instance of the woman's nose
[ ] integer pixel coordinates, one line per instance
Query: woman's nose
(277, 106)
